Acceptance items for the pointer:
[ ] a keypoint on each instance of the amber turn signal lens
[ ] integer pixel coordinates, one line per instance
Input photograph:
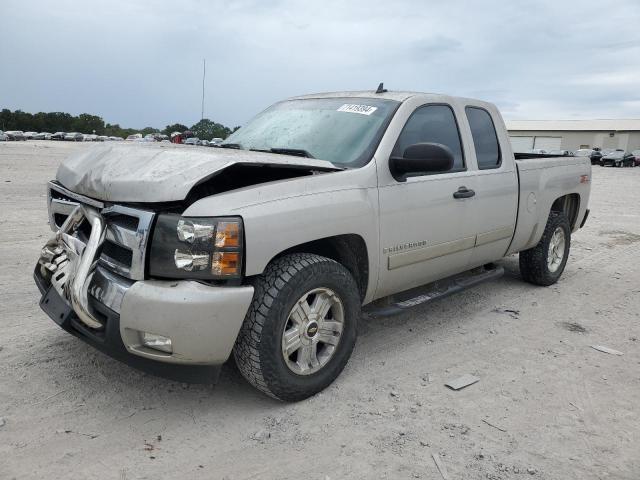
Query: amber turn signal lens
(227, 235)
(225, 263)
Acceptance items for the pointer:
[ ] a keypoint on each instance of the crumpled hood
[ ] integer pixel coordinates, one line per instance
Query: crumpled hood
(150, 173)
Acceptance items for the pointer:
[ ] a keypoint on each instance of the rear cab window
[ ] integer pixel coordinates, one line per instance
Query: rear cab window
(485, 139)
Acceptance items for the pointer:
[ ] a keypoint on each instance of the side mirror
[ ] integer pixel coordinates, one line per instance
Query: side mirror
(421, 158)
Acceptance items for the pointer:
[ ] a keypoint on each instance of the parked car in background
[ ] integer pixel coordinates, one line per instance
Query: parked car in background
(215, 142)
(3, 137)
(15, 135)
(636, 156)
(618, 158)
(29, 135)
(74, 137)
(89, 137)
(102, 138)
(607, 151)
(116, 139)
(134, 136)
(561, 153)
(594, 155)
(58, 136)
(192, 141)
(42, 136)
(538, 151)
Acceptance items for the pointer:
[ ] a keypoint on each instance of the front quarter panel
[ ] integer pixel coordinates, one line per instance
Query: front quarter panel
(281, 215)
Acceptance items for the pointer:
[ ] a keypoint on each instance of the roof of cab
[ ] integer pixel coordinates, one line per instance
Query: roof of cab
(389, 95)
(399, 96)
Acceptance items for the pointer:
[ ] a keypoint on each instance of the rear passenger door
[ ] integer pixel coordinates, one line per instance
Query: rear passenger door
(496, 199)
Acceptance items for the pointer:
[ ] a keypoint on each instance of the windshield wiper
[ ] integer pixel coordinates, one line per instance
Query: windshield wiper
(235, 146)
(298, 152)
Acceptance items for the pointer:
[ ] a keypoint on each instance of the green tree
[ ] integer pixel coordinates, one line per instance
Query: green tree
(206, 129)
(148, 130)
(176, 127)
(86, 123)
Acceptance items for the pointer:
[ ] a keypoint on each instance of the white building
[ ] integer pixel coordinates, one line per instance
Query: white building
(574, 134)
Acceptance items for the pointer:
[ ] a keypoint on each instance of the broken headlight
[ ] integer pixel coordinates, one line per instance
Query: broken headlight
(208, 248)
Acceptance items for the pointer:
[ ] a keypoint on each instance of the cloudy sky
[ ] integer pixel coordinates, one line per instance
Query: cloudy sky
(139, 63)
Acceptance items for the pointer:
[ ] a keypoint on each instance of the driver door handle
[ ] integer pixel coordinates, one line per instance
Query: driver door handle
(464, 192)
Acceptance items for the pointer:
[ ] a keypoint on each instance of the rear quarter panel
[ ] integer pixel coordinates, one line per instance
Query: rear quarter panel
(542, 181)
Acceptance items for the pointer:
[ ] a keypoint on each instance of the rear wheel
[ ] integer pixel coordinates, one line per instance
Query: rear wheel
(301, 327)
(544, 263)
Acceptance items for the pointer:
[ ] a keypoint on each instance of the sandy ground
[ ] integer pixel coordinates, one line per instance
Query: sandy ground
(548, 406)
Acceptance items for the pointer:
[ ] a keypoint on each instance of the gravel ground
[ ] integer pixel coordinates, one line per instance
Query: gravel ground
(547, 406)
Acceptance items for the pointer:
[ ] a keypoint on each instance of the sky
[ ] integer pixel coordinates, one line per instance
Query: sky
(139, 63)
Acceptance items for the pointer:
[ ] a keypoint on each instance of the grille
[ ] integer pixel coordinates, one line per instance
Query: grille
(117, 253)
(127, 230)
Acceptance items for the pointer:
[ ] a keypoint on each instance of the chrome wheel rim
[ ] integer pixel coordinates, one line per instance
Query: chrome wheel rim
(312, 331)
(556, 250)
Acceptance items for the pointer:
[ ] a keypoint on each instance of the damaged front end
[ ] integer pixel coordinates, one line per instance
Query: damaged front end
(93, 260)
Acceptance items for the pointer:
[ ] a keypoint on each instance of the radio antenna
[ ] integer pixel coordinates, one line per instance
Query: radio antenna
(204, 73)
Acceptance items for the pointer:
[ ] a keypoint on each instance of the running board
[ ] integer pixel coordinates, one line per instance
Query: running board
(401, 302)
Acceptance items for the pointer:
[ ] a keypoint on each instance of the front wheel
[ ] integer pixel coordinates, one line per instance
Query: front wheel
(300, 329)
(544, 263)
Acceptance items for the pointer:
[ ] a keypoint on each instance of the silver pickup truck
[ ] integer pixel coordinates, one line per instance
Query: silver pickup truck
(173, 258)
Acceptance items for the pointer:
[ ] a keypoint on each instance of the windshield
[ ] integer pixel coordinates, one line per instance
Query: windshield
(344, 131)
(616, 154)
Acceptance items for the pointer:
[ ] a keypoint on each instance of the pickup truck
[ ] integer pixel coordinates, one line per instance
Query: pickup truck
(173, 259)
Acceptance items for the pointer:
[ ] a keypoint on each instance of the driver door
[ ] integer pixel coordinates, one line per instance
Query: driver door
(425, 232)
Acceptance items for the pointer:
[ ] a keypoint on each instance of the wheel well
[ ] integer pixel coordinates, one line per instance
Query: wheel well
(350, 250)
(570, 205)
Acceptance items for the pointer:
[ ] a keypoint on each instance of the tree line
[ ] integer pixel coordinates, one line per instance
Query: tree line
(53, 122)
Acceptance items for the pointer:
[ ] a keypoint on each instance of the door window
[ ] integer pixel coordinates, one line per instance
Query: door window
(434, 124)
(485, 139)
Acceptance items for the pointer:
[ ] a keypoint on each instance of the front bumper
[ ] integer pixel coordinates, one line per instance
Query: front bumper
(111, 312)
(202, 322)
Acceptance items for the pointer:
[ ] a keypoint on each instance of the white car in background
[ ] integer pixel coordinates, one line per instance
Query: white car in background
(562, 153)
(15, 135)
(3, 137)
(74, 137)
(30, 135)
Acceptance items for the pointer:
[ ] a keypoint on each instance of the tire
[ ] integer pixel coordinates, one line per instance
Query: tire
(259, 349)
(535, 264)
